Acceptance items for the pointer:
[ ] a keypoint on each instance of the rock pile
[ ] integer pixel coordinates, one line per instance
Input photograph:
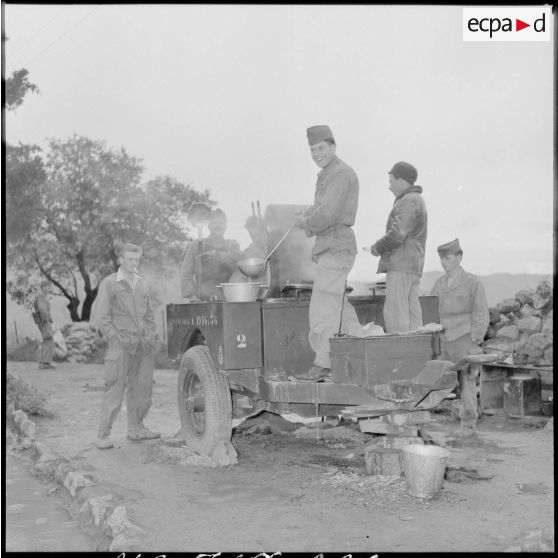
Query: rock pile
(81, 341)
(520, 328)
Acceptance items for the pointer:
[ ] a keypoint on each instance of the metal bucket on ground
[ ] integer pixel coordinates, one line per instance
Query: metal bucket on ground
(424, 468)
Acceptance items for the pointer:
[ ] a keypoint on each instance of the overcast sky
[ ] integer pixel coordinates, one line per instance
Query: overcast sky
(221, 96)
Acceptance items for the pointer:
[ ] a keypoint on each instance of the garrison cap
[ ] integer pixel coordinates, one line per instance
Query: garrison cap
(316, 134)
(452, 247)
(404, 170)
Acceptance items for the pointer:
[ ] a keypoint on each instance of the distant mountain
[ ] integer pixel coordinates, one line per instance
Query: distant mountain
(497, 286)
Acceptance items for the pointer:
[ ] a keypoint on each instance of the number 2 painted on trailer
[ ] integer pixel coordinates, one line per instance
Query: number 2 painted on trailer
(241, 338)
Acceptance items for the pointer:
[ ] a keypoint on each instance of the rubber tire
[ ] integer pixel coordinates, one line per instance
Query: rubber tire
(196, 367)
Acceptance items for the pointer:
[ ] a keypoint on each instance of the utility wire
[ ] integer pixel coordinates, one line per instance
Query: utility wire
(63, 35)
(37, 32)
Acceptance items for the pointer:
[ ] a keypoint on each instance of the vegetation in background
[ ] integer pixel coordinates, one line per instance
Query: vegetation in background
(25, 397)
(70, 208)
(17, 87)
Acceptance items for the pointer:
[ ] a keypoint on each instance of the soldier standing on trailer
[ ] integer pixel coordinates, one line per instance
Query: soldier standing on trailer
(401, 250)
(330, 220)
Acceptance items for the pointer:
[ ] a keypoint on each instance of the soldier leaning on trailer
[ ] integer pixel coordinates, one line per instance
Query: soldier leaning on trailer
(465, 317)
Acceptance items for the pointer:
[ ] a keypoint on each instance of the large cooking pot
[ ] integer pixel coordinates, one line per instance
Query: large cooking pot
(241, 292)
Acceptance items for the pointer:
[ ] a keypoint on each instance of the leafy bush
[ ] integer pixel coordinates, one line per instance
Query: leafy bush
(25, 397)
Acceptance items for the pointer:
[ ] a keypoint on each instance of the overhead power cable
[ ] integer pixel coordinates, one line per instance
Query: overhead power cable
(37, 32)
(61, 36)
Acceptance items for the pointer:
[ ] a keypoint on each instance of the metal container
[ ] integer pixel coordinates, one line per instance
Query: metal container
(232, 331)
(369, 361)
(285, 335)
(522, 395)
(241, 292)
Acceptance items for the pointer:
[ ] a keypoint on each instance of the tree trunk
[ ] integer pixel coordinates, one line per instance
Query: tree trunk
(90, 296)
(73, 308)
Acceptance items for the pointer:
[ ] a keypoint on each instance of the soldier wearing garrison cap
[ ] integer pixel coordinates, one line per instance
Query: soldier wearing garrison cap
(465, 317)
(330, 220)
(401, 250)
(452, 247)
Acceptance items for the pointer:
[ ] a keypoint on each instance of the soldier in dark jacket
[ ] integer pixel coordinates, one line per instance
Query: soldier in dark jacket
(402, 250)
(219, 256)
(43, 319)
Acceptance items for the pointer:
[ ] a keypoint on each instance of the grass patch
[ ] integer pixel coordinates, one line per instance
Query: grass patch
(26, 398)
(26, 351)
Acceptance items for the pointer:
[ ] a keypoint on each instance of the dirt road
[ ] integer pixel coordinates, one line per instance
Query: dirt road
(298, 488)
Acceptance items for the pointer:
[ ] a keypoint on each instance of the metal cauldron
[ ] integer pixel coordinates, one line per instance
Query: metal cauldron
(241, 292)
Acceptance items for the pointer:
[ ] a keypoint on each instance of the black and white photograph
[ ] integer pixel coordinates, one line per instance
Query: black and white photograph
(278, 278)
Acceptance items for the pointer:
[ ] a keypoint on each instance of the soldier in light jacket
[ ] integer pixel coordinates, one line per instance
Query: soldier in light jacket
(125, 317)
(464, 315)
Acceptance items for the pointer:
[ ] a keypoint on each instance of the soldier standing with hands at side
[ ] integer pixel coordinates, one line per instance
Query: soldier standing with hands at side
(464, 314)
(43, 319)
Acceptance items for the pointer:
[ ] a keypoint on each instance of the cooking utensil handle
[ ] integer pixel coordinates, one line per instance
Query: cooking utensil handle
(259, 210)
(342, 306)
(253, 209)
(279, 243)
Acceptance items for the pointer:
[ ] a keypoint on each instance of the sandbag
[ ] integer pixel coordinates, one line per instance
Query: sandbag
(59, 344)
(508, 305)
(509, 332)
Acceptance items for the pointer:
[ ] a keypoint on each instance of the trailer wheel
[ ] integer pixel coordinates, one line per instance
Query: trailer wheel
(204, 401)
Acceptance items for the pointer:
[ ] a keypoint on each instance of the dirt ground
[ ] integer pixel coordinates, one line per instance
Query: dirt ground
(300, 487)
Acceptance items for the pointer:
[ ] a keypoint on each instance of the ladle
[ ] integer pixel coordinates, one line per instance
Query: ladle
(253, 267)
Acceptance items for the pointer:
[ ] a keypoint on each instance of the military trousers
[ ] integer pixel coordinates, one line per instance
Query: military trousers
(402, 310)
(329, 306)
(130, 374)
(47, 344)
(454, 350)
